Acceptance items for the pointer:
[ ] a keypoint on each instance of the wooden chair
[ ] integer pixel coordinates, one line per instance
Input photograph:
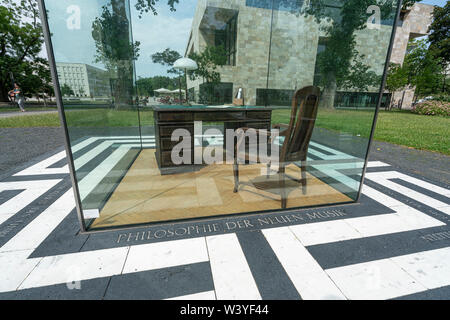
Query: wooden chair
(297, 136)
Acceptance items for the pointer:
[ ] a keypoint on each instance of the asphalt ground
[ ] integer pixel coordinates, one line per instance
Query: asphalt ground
(20, 145)
(393, 244)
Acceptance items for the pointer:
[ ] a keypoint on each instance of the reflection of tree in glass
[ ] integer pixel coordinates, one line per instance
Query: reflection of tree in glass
(66, 90)
(340, 63)
(115, 50)
(424, 68)
(167, 58)
(208, 61)
(21, 40)
(144, 6)
(81, 92)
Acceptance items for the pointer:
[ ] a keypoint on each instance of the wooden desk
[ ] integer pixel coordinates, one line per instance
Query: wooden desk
(169, 118)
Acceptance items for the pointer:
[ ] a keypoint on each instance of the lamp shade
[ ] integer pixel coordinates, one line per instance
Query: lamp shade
(162, 90)
(185, 63)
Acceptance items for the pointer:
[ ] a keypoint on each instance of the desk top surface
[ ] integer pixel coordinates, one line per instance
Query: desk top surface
(210, 108)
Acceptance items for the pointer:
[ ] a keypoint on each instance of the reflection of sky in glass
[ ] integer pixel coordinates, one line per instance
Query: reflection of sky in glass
(166, 30)
(156, 33)
(73, 45)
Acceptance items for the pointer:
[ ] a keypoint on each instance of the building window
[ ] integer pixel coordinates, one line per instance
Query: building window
(216, 93)
(227, 38)
(286, 5)
(274, 97)
(322, 46)
(360, 100)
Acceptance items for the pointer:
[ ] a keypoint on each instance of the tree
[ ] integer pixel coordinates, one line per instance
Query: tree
(340, 63)
(167, 58)
(208, 61)
(21, 40)
(115, 50)
(340, 59)
(423, 68)
(397, 79)
(38, 80)
(439, 37)
(66, 90)
(147, 85)
(144, 6)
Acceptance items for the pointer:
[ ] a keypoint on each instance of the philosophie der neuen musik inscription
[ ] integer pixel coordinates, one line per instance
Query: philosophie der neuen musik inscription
(204, 229)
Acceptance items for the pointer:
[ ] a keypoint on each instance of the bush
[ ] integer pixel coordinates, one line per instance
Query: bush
(441, 97)
(433, 108)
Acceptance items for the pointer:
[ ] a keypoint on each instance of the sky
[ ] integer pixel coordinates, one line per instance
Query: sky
(72, 40)
(72, 26)
(439, 3)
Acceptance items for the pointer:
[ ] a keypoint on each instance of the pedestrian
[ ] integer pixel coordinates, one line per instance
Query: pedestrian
(18, 96)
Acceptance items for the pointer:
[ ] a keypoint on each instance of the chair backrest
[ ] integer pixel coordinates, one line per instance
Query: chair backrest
(305, 105)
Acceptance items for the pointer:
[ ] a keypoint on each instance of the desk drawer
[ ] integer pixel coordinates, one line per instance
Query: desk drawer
(175, 116)
(259, 125)
(266, 115)
(168, 144)
(166, 131)
(219, 116)
(166, 159)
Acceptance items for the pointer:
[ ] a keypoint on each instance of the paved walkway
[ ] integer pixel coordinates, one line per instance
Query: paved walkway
(395, 244)
(26, 113)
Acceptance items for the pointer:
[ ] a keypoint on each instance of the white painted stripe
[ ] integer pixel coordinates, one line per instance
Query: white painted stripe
(331, 171)
(232, 277)
(41, 167)
(165, 255)
(69, 268)
(37, 230)
(207, 295)
(83, 144)
(14, 268)
(426, 185)
(333, 151)
(88, 156)
(308, 277)
(431, 202)
(381, 197)
(325, 232)
(377, 164)
(91, 180)
(91, 154)
(329, 157)
(374, 280)
(418, 182)
(430, 268)
(32, 191)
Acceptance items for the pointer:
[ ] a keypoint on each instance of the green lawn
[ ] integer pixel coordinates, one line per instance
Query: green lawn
(401, 128)
(397, 127)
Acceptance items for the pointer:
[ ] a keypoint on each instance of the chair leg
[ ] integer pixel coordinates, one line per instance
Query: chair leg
(236, 177)
(303, 169)
(282, 184)
(268, 170)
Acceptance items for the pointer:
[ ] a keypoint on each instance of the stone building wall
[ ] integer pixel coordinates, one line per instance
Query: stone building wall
(416, 24)
(290, 62)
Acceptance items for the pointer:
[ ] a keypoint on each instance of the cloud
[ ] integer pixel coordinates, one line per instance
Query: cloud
(156, 33)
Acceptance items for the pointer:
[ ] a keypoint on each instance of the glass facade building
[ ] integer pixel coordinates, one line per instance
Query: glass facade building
(280, 112)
